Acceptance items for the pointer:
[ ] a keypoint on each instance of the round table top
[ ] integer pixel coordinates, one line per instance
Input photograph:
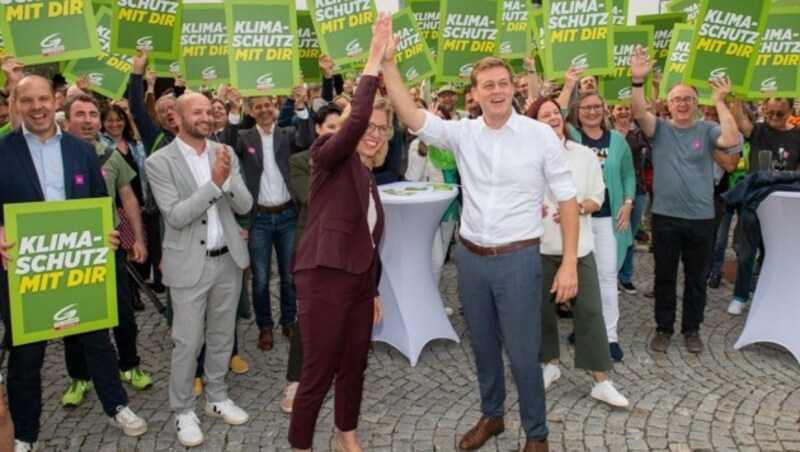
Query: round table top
(416, 192)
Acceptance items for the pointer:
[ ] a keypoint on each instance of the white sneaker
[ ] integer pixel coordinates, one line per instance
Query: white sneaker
(22, 446)
(736, 307)
(187, 426)
(606, 392)
(127, 421)
(550, 373)
(229, 411)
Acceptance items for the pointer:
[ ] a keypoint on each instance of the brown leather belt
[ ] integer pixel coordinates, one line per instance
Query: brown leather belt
(497, 250)
(275, 209)
(217, 252)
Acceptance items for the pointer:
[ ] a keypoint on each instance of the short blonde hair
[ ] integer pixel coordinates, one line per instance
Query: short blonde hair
(488, 63)
(380, 104)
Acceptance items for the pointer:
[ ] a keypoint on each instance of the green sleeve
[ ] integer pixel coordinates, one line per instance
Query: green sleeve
(5, 130)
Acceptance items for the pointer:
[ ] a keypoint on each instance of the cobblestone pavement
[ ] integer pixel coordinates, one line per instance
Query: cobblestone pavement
(722, 399)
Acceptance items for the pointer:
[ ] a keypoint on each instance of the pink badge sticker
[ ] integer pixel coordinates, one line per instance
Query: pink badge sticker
(79, 179)
(251, 150)
(696, 145)
(104, 172)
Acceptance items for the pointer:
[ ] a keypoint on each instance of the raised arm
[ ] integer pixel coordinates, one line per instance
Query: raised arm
(147, 128)
(337, 148)
(741, 118)
(570, 80)
(403, 103)
(730, 131)
(640, 67)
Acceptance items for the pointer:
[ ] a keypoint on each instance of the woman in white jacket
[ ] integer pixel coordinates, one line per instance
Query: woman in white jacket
(591, 351)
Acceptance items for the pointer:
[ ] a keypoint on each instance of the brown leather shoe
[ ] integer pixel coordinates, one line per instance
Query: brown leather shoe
(536, 446)
(693, 342)
(483, 430)
(288, 330)
(660, 342)
(265, 340)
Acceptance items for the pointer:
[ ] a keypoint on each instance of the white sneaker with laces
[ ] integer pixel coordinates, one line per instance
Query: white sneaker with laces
(127, 421)
(550, 373)
(605, 391)
(187, 426)
(736, 307)
(22, 446)
(228, 411)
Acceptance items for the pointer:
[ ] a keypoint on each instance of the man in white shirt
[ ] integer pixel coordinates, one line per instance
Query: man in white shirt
(198, 188)
(506, 162)
(264, 153)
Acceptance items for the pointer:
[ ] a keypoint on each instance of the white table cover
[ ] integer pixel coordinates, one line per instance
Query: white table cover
(775, 311)
(413, 312)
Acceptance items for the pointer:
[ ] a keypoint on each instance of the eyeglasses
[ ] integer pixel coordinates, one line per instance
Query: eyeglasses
(383, 130)
(683, 100)
(590, 108)
(775, 114)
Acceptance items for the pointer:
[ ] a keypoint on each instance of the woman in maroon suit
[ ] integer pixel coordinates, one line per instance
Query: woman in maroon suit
(336, 263)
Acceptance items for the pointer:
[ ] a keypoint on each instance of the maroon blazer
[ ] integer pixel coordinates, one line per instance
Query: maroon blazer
(337, 234)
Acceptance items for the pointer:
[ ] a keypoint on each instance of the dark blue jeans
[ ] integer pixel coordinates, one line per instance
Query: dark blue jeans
(749, 243)
(502, 297)
(24, 384)
(691, 242)
(721, 243)
(266, 231)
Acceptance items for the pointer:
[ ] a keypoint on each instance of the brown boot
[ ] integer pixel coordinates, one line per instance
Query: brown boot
(265, 340)
(536, 446)
(483, 430)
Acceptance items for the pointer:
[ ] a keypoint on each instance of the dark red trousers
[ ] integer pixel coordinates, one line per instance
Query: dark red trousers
(335, 309)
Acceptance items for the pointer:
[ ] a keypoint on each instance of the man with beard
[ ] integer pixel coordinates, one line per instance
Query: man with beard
(264, 151)
(683, 152)
(198, 188)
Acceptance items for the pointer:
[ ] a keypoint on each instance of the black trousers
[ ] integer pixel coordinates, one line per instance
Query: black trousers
(691, 242)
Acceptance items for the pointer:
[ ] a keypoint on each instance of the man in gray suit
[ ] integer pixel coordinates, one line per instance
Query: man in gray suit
(198, 188)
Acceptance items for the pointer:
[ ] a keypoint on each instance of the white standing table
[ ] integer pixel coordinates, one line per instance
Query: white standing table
(775, 311)
(413, 312)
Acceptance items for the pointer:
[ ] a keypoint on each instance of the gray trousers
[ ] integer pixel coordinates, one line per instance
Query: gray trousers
(205, 313)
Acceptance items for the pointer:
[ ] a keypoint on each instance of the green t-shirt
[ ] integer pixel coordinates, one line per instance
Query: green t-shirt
(116, 172)
(5, 130)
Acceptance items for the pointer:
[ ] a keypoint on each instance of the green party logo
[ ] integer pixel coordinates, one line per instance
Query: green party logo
(265, 81)
(624, 93)
(506, 48)
(718, 72)
(209, 73)
(580, 61)
(769, 85)
(412, 73)
(96, 78)
(66, 317)
(51, 45)
(145, 43)
(465, 71)
(354, 47)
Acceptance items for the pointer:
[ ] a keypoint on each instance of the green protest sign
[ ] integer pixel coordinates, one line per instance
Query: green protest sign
(62, 280)
(784, 3)
(262, 36)
(344, 27)
(619, 12)
(777, 69)
(689, 7)
(204, 45)
(146, 25)
(47, 31)
(536, 24)
(165, 67)
(308, 43)
(663, 25)
(616, 87)
(468, 32)
(426, 13)
(679, 50)
(515, 38)
(577, 36)
(97, 4)
(108, 73)
(414, 59)
(726, 38)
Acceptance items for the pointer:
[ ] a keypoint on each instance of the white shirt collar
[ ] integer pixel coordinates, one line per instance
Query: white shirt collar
(264, 133)
(513, 122)
(187, 150)
(28, 133)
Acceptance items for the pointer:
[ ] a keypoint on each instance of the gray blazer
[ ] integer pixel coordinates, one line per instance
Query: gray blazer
(183, 205)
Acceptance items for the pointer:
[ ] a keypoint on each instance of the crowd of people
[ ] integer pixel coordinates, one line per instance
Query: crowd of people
(556, 187)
